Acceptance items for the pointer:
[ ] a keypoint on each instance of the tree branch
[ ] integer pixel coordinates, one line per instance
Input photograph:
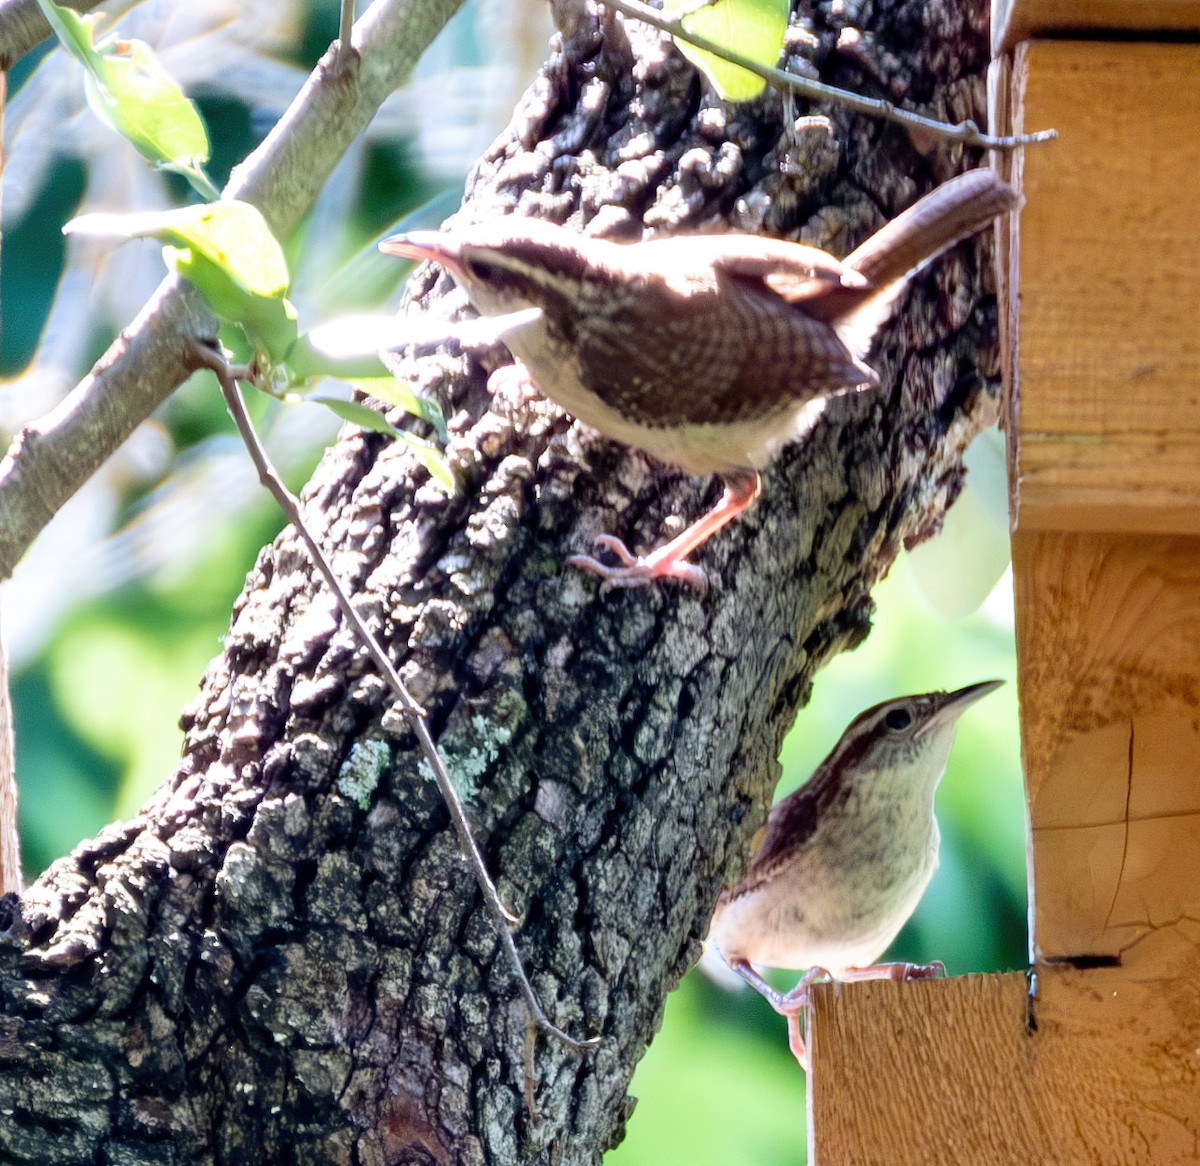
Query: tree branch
(23, 27)
(51, 458)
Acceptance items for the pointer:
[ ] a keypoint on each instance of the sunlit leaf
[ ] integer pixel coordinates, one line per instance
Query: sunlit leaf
(398, 393)
(750, 28)
(227, 251)
(373, 332)
(129, 89)
(426, 453)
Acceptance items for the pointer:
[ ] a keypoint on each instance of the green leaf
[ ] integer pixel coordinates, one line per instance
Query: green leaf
(308, 362)
(129, 90)
(398, 393)
(227, 251)
(356, 413)
(749, 28)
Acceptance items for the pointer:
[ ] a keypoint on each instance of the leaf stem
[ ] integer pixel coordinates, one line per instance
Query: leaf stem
(206, 356)
(344, 52)
(200, 182)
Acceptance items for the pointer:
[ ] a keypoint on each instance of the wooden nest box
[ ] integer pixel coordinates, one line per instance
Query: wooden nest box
(1096, 1057)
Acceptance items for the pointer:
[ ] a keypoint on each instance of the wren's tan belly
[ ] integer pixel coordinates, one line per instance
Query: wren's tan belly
(803, 920)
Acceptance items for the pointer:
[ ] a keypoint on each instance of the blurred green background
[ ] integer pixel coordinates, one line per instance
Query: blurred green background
(114, 615)
(718, 1083)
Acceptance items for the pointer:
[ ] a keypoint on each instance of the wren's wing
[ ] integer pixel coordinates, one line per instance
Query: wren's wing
(795, 272)
(793, 821)
(791, 826)
(722, 349)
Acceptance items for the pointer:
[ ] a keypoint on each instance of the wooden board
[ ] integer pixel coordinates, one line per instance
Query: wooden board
(1105, 355)
(1018, 20)
(1108, 665)
(1094, 1067)
(1102, 1063)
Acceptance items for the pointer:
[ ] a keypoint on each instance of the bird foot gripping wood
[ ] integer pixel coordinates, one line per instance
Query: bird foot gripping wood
(637, 570)
(670, 561)
(799, 999)
(793, 1005)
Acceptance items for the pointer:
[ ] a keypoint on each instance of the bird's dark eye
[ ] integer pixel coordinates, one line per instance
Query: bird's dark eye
(483, 271)
(898, 719)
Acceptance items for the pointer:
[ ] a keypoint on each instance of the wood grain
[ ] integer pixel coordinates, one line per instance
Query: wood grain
(1099, 294)
(1108, 641)
(954, 1072)
(1106, 411)
(1014, 21)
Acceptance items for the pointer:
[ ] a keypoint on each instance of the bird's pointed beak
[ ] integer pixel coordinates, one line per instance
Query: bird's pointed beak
(434, 246)
(956, 703)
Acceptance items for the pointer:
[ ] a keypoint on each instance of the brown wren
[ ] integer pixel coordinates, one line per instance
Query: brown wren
(842, 862)
(709, 352)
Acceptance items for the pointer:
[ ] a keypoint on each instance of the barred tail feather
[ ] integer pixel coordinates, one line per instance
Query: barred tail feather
(954, 211)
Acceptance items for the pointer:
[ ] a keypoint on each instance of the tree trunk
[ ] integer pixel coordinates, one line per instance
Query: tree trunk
(283, 958)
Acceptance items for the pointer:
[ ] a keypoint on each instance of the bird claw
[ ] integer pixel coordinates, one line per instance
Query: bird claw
(799, 997)
(634, 570)
(617, 548)
(796, 1041)
(793, 1006)
(933, 971)
(897, 972)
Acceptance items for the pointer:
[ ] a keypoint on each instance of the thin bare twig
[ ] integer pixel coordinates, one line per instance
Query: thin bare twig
(205, 356)
(966, 132)
(52, 457)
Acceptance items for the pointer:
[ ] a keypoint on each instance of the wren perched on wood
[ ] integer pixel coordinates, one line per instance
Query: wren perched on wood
(706, 351)
(842, 862)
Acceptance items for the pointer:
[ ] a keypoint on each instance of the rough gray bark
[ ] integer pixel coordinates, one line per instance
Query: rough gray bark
(282, 958)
